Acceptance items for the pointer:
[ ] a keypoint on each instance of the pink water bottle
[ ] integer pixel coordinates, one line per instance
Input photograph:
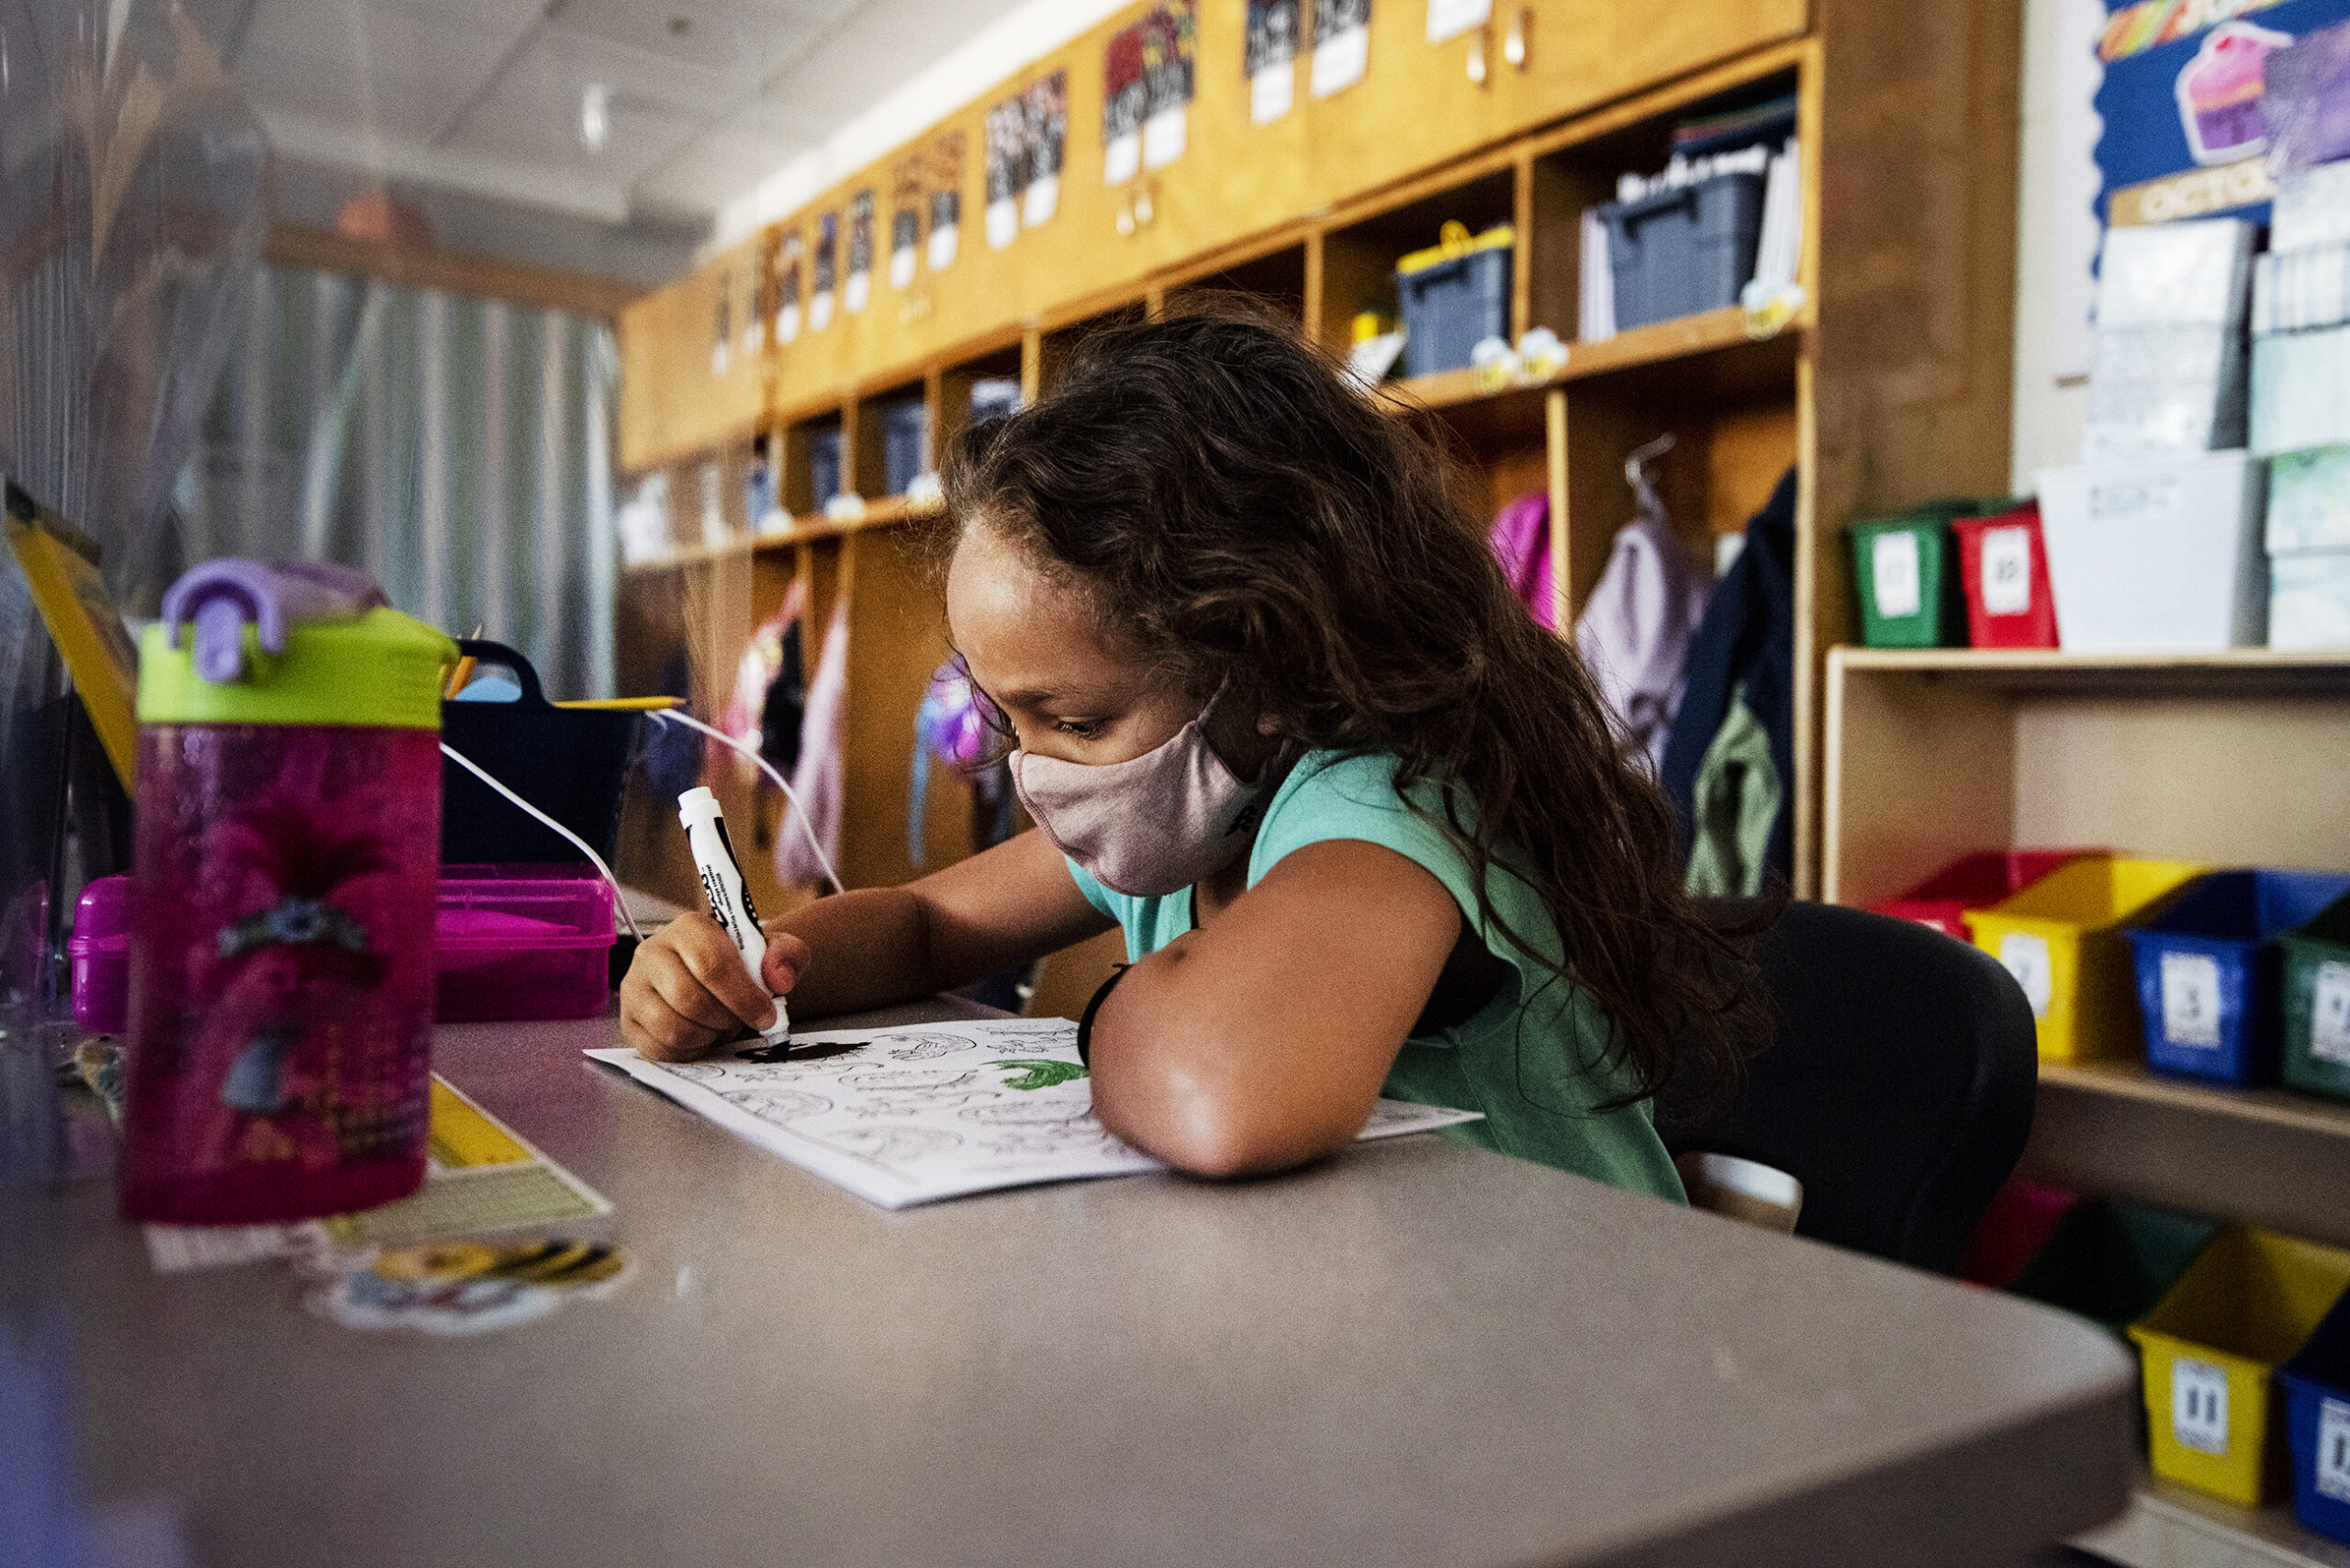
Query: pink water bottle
(288, 833)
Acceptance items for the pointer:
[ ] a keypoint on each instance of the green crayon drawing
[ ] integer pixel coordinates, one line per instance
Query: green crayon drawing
(1039, 1074)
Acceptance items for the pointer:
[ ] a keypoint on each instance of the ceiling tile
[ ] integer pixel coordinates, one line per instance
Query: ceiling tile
(377, 67)
(529, 130)
(727, 36)
(716, 166)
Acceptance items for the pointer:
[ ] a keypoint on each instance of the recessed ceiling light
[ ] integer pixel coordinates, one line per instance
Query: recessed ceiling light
(596, 116)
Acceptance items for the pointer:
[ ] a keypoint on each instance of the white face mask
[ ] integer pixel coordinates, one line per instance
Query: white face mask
(1153, 824)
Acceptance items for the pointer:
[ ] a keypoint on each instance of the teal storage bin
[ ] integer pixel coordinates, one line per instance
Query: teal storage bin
(2317, 1003)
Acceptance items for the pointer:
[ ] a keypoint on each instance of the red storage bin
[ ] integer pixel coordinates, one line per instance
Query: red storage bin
(2003, 563)
(2022, 1214)
(1977, 881)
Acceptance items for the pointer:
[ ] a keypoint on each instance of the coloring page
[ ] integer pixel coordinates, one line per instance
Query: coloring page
(912, 1114)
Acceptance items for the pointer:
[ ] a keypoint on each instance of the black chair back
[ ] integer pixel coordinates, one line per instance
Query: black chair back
(1898, 1090)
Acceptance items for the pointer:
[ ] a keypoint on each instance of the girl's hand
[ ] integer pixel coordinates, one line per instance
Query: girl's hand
(687, 989)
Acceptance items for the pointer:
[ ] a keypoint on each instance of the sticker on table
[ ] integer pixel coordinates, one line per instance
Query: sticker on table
(2026, 957)
(463, 1287)
(2330, 1473)
(1341, 45)
(1451, 19)
(2330, 1014)
(2198, 1405)
(2007, 571)
(2191, 1000)
(1892, 565)
(1269, 58)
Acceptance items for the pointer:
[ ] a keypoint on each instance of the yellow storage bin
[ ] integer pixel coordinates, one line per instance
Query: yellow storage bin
(2240, 1310)
(2060, 937)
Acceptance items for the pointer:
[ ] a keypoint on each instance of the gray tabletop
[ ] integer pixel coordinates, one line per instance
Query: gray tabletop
(1415, 1353)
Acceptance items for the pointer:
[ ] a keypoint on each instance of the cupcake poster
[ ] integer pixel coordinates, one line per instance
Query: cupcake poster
(859, 287)
(2184, 104)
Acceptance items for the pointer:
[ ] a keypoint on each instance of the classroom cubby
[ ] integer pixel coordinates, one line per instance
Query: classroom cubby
(802, 440)
(1055, 344)
(951, 398)
(868, 446)
(1275, 281)
(1358, 254)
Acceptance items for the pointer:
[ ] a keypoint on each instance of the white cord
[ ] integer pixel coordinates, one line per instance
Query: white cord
(669, 716)
(620, 895)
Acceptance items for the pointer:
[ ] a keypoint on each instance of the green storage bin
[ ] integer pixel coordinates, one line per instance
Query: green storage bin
(1906, 571)
(2110, 1261)
(2317, 1003)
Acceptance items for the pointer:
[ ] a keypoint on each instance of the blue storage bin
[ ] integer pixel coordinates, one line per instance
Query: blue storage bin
(1453, 297)
(905, 430)
(1683, 250)
(2208, 970)
(2317, 1424)
(824, 463)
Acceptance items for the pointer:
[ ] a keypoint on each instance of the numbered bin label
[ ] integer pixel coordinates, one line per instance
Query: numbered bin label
(2026, 957)
(2332, 1476)
(1893, 562)
(2198, 1405)
(2191, 1000)
(2007, 571)
(2330, 1014)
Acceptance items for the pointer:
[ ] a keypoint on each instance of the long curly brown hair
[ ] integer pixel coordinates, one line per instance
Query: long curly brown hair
(1244, 516)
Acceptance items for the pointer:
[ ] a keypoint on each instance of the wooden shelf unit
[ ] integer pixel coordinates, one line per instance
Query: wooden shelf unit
(2231, 760)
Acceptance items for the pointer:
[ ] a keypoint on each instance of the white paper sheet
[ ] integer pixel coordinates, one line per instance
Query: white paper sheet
(911, 1116)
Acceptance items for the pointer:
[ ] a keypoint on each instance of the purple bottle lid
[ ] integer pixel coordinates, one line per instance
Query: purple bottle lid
(220, 597)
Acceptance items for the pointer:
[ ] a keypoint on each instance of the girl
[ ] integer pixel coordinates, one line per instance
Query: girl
(1277, 715)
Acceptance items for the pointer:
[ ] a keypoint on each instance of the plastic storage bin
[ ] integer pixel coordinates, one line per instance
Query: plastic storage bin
(571, 763)
(2316, 1002)
(2208, 966)
(2316, 1384)
(2244, 1307)
(2110, 1261)
(2003, 567)
(2162, 556)
(2061, 938)
(100, 952)
(1942, 899)
(1454, 295)
(522, 941)
(1683, 250)
(2014, 1229)
(905, 430)
(1909, 586)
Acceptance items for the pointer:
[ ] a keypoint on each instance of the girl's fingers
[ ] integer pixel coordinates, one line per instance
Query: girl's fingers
(649, 1028)
(714, 964)
(787, 959)
(684, 992)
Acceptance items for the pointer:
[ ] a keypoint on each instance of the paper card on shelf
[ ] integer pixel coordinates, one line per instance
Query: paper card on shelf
(2025, 956)
(2330, 1473)
(1893, 563)
(1272, 92)
(1339, 60)
(2330, 1014)
(1163, 136)
(480, 1175)
(1042, 199)
(1451, 19)
(914, 1114)
(2007, 571)
(2198, 1405)
(2191, 984)
(1121, 158)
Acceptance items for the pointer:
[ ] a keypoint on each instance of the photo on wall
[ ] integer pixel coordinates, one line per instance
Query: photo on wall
(1269, 58)
(1341, 45)
(828, 251)
(1147, 88)
(721, 348)
(859, 287)
(754, 301)
(1007, 132)
(945, 198)
(905, 219)
(1045, 106)
(789, 252)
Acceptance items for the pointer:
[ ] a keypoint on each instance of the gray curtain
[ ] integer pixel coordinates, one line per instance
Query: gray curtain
(457, 449)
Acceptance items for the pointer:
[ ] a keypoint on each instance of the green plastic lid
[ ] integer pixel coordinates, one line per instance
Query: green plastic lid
(381, 671)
